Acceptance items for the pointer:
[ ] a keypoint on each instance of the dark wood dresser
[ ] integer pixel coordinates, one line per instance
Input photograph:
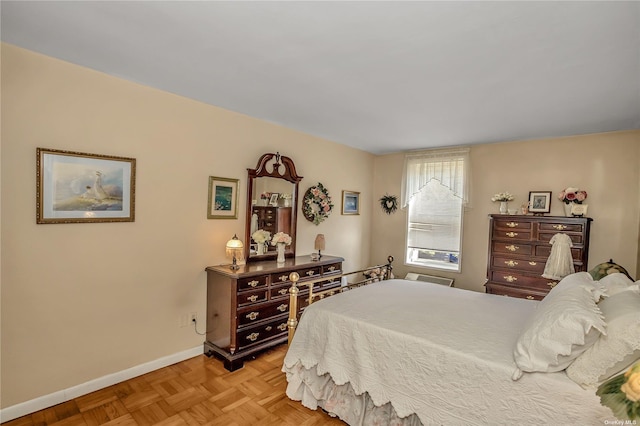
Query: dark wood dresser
(273, 219)
(247, 309)
(519, 248)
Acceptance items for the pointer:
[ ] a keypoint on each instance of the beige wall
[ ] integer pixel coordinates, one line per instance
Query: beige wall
(605, 165)
(81, 301)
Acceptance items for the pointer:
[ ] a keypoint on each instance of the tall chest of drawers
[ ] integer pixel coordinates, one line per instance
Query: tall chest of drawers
(519, 248)
(247, 309)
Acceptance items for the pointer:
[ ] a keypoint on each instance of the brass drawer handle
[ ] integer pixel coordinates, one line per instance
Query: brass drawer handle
(559, 227)
(311, 273)
(283, 291)
(283, 277)
(512, 247)
(268, 328)
(533, 263)
(253, 283)
(530, 297)
(253, 336)
(552, 284)
(252, 315)
(283, 326)
(269, 217)
(510, 263)
(252, 298)
(282, 307)
(510, 278)
(512, 234)
(511, 224)
(331, 268)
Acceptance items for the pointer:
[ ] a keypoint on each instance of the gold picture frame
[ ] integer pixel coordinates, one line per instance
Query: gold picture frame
(223, 198)
(77, 187)
(350, 203)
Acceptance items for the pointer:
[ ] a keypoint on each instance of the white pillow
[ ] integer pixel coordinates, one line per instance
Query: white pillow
(615, 283)
(619, 348)
(565, 323)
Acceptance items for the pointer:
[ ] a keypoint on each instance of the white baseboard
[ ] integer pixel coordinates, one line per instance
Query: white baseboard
(45, 401)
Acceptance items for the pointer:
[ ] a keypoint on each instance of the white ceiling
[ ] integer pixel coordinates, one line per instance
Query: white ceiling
(380, 76)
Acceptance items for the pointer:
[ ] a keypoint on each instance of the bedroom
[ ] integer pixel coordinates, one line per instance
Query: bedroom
(101, 298)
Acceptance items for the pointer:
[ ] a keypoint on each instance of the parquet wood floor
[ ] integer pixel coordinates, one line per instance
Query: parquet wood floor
(198, 391)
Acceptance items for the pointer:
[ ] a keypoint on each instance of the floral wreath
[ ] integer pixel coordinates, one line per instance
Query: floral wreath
(316, 204)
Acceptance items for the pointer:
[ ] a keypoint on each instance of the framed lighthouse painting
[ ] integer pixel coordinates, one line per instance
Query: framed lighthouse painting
(76, 187)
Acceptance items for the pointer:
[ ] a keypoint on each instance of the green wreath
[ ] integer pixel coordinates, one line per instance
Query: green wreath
(316, 204)
(389, 203)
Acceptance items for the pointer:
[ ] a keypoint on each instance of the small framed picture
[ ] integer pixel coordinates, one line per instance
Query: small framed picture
(273, 199)
(350, 202)
(76, 187)
(579, 210)
(539, 201)
(223, 198)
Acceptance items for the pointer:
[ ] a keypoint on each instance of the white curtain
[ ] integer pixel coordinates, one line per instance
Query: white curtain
(450, 167)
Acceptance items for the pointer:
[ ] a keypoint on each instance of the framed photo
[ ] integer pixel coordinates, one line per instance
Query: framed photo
(76, 187)
(579, 210)
(223, 198)
(273, 199)
(350, 202)
(540, 201)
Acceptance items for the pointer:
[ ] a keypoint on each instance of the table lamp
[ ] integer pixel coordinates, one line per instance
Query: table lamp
(319, 244)
(234, 250)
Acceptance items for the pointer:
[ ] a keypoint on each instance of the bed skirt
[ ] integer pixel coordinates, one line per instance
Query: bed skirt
(341, 401)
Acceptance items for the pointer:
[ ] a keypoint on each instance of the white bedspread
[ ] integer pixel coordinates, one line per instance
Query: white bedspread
(440, 352)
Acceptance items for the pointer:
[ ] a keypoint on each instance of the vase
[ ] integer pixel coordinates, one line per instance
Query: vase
(280, 249)
(260, 249)
(287, 202)
(504, 207)
(567, 209)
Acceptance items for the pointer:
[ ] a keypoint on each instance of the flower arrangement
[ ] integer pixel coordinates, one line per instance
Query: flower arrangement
(316, 204)
(286, 196)
(261, 236)
(622, 394)
(265, 196)
(572, 195)
(281, 238)
(502, 196)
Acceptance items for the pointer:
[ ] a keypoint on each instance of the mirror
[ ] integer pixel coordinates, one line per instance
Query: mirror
(272, 203)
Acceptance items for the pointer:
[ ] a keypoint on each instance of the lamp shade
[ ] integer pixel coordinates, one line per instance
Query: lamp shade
(319, 244)
(234, 247)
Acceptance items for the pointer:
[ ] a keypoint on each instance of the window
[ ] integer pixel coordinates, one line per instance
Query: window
(435, 191)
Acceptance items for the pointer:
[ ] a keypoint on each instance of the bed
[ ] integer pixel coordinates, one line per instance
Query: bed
(412, 353)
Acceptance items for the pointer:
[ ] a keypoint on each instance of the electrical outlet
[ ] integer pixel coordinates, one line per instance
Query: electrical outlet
(193, 317)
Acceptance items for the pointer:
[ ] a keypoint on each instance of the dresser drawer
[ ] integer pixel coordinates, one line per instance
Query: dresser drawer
(514, 292)
(561, 227)
(511, 224)
(520, 249)
(334, 268)
(252, 282)
(257, 313)
(280, 278)
(517, 279)
(511, 234)
(518, 264)
(256, 334)
(575, 238)
(310, 273)
(545, 251)
(248, 297)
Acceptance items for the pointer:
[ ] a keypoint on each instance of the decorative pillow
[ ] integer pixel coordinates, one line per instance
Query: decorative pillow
(607, 268)
(619, 348)
(565, 323)
(615, 283)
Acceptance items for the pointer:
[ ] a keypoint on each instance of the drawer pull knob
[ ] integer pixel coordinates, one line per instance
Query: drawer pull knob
(268, 328)
(253, 283)
(252, 298)
(310, 273)
(559, 227)
(252, 315)
(283, 291)
(510, 278)
(510, 263)
(253, 336)
(512, 248)
(282, 307)
(331, 268)
(530, 297)
(552, 284)
(511, 224)
(283, 326)
(512, 234)
(533, 263)
(283, 277)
